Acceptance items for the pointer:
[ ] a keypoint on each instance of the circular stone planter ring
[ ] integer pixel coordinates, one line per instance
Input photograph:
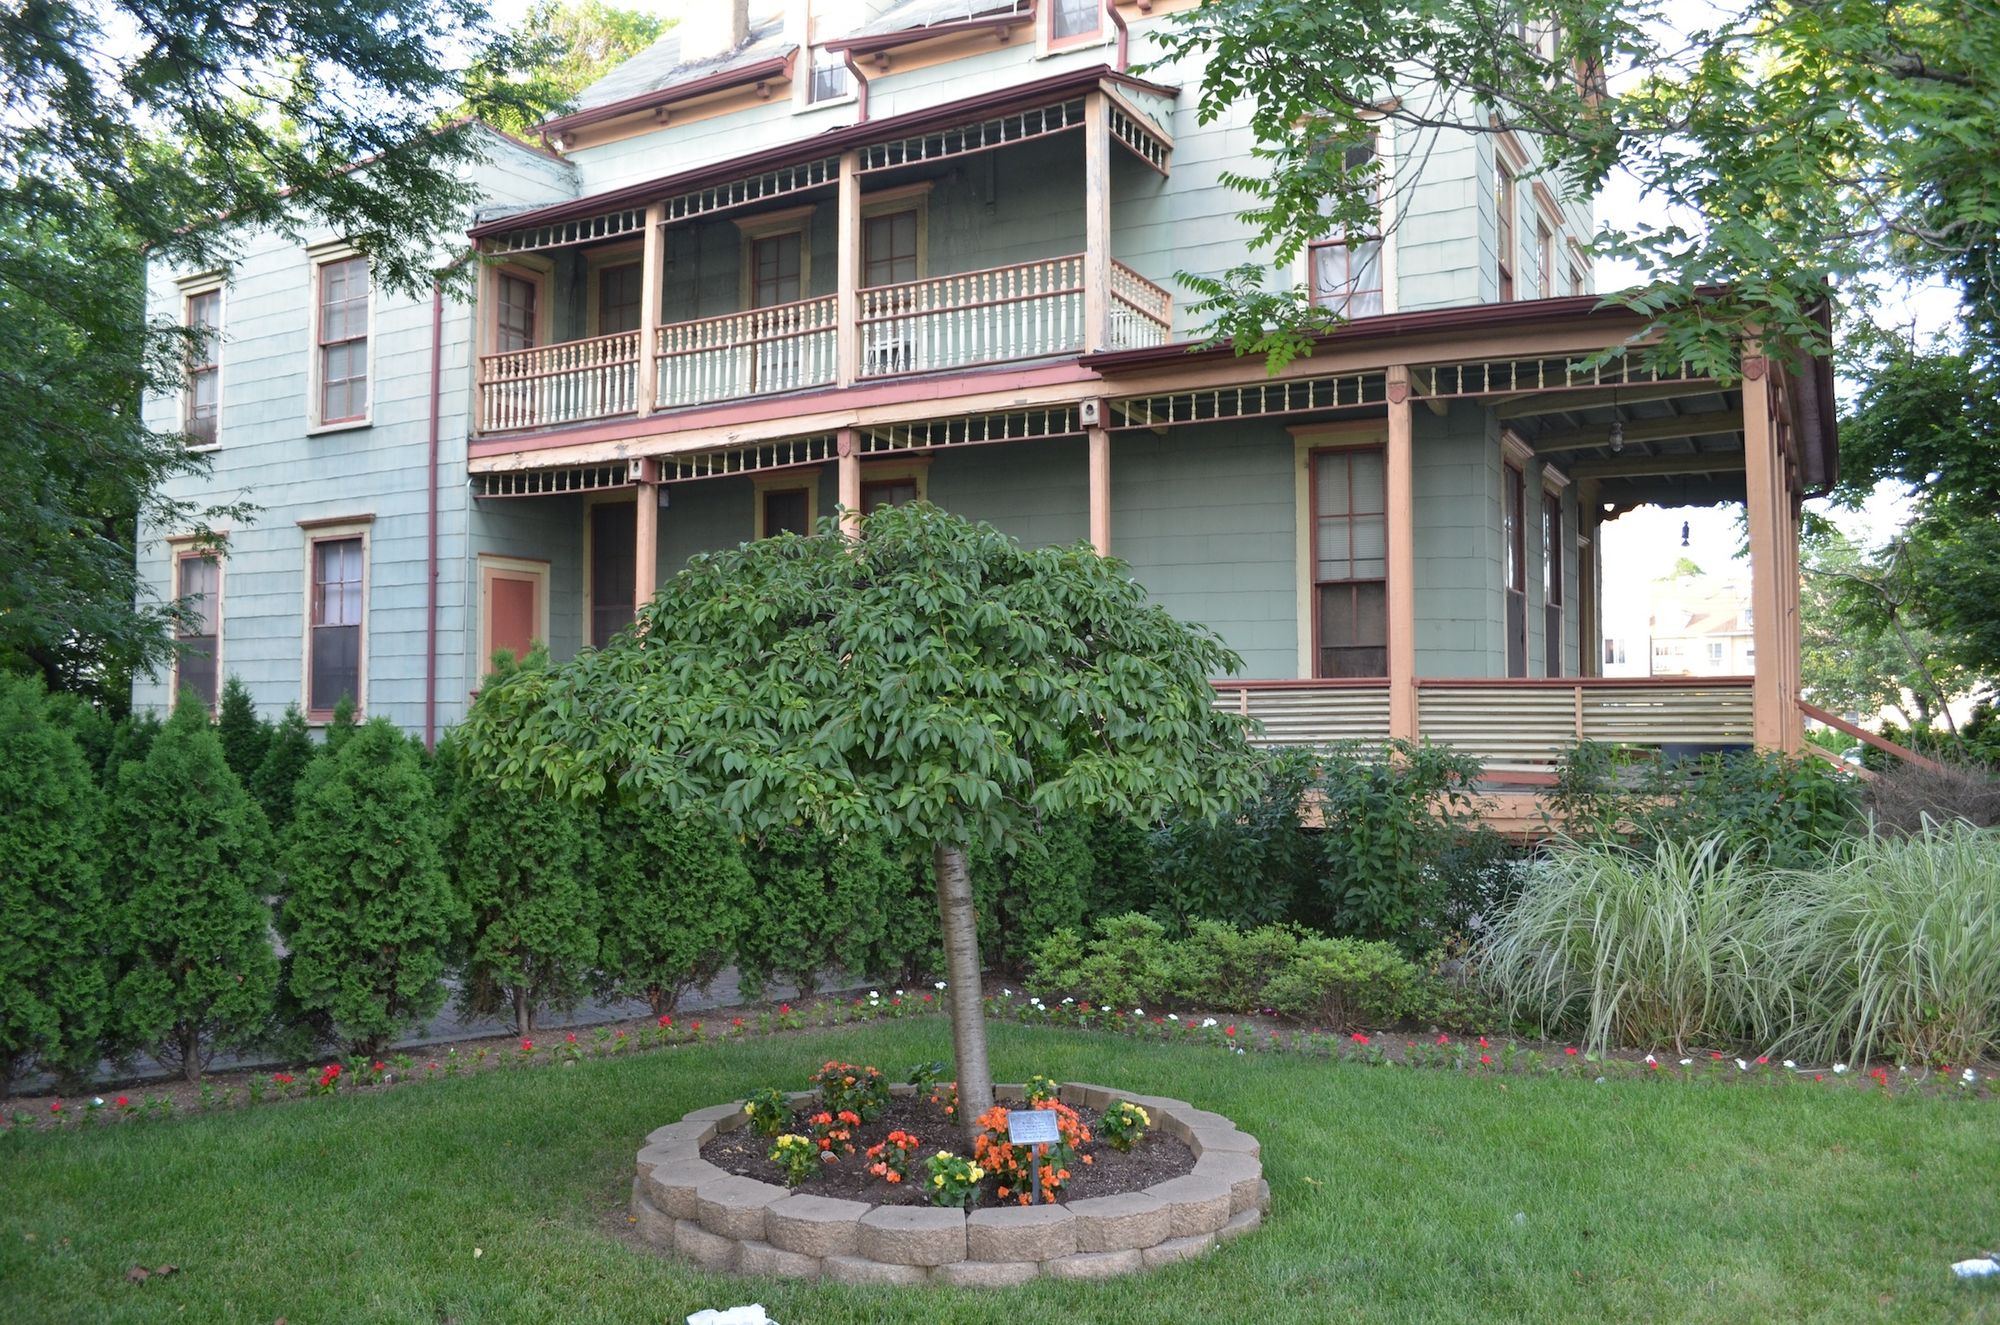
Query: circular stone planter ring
(718, 1221)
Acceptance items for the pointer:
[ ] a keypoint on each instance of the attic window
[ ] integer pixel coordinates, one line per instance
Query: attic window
(831, 80)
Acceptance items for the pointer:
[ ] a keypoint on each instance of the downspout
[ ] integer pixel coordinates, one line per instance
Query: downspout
(431, 532)
(860, 87)
(1124, 35)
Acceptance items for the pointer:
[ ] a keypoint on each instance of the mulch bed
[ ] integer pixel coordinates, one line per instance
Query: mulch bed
(744, 1153)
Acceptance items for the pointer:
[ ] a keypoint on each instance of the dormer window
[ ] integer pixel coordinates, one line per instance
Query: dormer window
(831, 78)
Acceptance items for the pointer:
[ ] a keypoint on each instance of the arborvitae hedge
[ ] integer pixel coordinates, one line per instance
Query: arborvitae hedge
(369, 915)
(287, 755)
(244, 735)
(674, 893)
(819, 902)
(53, 993)
(524, 879)
(192, 859)
(131, 740)
(1043, 886)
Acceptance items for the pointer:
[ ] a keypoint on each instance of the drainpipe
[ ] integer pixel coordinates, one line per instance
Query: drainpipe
(1124, 36)
(431, 533)
(860, 86)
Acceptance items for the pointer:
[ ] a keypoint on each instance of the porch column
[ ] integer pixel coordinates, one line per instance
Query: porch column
(645, 533)
(847, 298)
(1100, 490)
(652, 270)
(850, 482)
(1762, 498)
(1399, 494)
(1096, 223)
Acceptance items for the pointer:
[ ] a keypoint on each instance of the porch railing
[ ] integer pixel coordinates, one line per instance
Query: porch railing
(1023, 311)
(785, 347)
(1309, 712)
(567, 382)
(1510, 725)
(1142, 313)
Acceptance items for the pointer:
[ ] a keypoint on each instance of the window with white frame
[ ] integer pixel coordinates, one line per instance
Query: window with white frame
(335, 620)
(831, 78)
(1075, 20)
(202, 408)
(340, 340)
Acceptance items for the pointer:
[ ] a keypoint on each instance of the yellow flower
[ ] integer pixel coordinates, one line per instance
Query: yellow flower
(749, 1108)
(976, 1174)
(938, 1181)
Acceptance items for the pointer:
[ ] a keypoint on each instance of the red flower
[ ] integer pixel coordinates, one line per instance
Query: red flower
(1714, 1055)
(527, 1046)
(282, 1078)
(432, 1067)
(1763, 1060)
(666, 1021)
(571, 1037)
(1229, 1031)
(124, 1103)
(1570, 1050)
(737, 1022)
(378, 1067)
(1483, 1044)
(784, 1009)
(694, 1025)
(1444, 1039)
(55, 1106)
(1357, 1037)
(927, 998)
(1486, 1059)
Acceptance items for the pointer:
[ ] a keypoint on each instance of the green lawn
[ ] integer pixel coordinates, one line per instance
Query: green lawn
(1395, 1199)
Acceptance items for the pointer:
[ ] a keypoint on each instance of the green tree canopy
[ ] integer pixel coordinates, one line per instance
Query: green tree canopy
(566, 46)
(1777, 145)
(931, 681)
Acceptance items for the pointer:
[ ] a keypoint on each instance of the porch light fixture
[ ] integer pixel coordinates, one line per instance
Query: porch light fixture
(1617, 438)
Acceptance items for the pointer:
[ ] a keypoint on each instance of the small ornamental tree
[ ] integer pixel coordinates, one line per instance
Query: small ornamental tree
(369, 915)
(286, 757)
(245, 736)
(192, 862)
(674, 892)
(930, 681)
(53, 999)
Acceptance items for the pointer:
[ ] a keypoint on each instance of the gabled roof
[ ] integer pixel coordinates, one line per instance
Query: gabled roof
(921, 20)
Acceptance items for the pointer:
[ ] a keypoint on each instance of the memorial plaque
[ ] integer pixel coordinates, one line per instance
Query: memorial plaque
(1032, 1127)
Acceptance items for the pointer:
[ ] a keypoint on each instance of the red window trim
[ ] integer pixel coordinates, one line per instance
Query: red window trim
(1380, 287)
(208, 365)
(1094, 34)
(181, 557)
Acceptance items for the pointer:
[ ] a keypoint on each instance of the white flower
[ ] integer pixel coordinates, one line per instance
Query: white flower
(1207, 1022)
(1838, 1068)
(96, 1101)
(899, 993)
(1791, 1066)
(1652, 1061)
(1006, 993)
(1138, 1012)
(1742, 1066)
(1068, 1001)
(874, 993)
(1173, 1016)
(940, 984)
(1687, 1062)
(1968, 1076)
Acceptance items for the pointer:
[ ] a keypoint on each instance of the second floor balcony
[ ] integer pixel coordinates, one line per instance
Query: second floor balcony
(940, 252)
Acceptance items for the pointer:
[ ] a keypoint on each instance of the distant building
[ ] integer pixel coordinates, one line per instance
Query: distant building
(1684, 625)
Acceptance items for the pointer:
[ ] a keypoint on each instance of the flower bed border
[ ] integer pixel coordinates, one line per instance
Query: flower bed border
(721, 1222)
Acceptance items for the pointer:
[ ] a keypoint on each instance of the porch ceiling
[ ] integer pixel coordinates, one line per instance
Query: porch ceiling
(1674, 445)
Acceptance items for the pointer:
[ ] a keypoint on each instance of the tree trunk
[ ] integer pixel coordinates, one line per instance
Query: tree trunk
(524, 1012)
(190, 1038)
(968, 1013)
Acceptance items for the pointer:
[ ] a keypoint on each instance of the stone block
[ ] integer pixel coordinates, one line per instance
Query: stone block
(1117, 1223)
(733, 1207)
(1206, 1140)
(985, 1274)
(799, 1099)
(1094, 1265)
(1009, 1092)
(714, 1113)
(1242, 1172)
(861, 1270)
(650, 1224)
(761, 1258)
(905, 1091)
(913, 1235)
(704, 1249)
(1177, 1249)
(1195, 1205)
(674, 1188)
(1264, 1197)
(1083, 1095)
(814, 1226)
(1020, 1233)
(1243, 1221)
(681, 1137)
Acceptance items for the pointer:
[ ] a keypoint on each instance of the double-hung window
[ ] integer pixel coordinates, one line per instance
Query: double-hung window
(340, 335)
(1075, 20)
(337, 565)
(1505, 199)
(1350, 563)
(1514, 541)
(204, 367)
(198, 636)
(1552, 583)
(1346, 273)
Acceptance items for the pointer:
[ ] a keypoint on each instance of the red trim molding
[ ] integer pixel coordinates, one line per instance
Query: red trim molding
(763, 71)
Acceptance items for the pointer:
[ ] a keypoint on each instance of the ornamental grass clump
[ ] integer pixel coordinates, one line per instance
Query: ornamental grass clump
(1894, 949)
(1633, 946)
